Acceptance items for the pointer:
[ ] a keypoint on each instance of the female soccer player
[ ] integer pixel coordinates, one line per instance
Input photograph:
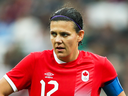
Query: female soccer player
(64, 70)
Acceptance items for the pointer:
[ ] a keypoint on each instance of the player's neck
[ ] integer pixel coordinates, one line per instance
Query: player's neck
(72, 56)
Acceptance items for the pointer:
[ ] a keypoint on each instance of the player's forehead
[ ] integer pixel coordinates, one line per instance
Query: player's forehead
(59, 25)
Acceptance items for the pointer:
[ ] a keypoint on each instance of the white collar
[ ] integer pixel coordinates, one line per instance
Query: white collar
(58, 60)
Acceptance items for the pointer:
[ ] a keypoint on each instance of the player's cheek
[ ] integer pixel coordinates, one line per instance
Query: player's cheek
(52, 41)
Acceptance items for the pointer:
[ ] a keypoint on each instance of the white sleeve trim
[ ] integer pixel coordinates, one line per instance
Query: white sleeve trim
(11, 83)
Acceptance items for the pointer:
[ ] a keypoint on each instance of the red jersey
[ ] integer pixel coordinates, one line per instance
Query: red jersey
(42, 75)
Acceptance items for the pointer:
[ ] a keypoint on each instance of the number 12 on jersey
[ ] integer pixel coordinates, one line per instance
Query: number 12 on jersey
(52, 90)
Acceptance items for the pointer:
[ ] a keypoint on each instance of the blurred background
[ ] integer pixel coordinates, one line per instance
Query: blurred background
(24, 28)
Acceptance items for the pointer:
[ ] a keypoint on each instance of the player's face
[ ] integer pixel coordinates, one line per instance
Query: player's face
(64, 40)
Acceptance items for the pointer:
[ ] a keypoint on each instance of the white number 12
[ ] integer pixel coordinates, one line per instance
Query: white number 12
(52, 90)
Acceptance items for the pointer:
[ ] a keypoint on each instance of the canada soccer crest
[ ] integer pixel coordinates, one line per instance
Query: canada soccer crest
(85, 76)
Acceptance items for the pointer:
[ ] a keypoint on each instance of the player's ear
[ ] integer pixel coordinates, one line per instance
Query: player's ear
(80, 35)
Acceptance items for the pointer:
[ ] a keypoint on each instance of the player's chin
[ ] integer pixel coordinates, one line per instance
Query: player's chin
(61, 54)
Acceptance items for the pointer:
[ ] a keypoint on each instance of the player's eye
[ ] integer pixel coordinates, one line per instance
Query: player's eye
(54, 34)
(64, 34)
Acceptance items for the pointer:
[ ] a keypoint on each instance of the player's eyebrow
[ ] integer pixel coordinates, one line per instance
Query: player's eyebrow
(52, 31)
(61, 32)
(64, 33)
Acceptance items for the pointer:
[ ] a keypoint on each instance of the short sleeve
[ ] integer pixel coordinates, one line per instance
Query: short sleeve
(20, 76)
(108, 71)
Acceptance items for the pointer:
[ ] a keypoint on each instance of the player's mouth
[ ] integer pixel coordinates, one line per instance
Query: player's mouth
(60, 48)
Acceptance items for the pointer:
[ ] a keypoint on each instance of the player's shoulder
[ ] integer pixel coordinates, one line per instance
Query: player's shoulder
(44, 53)
(94, 57)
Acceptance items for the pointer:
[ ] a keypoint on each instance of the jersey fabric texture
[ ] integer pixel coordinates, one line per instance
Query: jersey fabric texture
(40, 73)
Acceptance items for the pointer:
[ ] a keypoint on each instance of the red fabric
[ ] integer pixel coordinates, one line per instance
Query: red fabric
(81, 77)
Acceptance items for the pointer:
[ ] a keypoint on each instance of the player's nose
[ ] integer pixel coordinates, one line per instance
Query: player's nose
(58, 39)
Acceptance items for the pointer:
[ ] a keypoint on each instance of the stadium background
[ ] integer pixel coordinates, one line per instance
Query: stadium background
(24, 28)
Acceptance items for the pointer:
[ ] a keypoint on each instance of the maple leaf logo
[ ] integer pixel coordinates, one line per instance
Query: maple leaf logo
(85, 74)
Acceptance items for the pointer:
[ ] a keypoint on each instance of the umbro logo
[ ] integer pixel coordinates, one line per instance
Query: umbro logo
(48, 75)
